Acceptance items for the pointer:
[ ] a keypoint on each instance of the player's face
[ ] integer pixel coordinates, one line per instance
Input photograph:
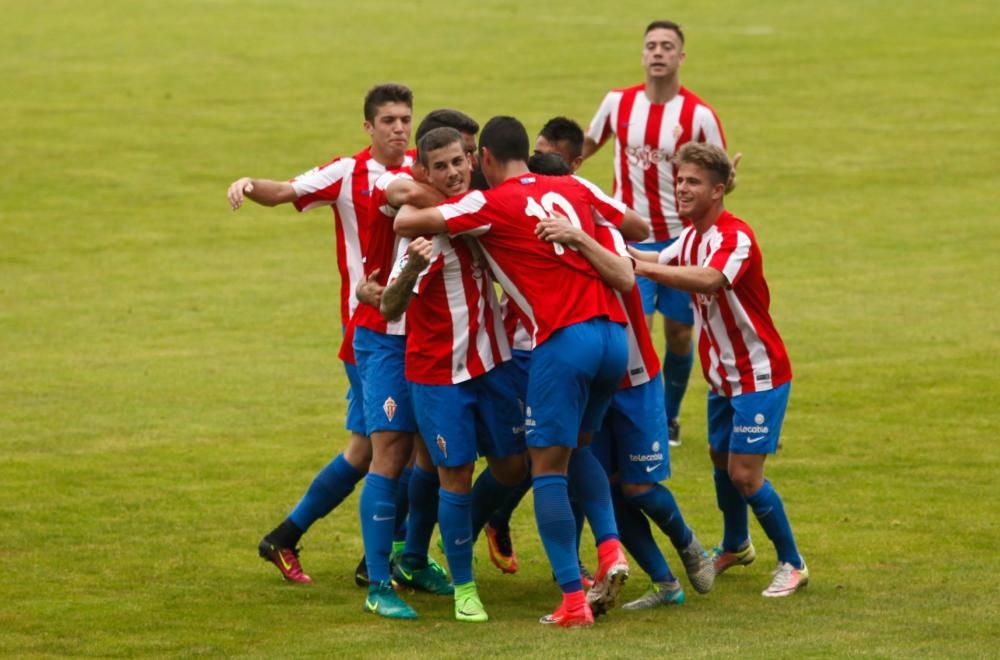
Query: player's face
(696, 191)
(390, 129)
(561, 148)
(662, 53)
(449, 169)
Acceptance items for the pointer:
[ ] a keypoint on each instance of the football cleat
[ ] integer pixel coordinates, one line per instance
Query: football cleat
(468, 607)
(787, 580)
(577, 617)
(674, 433)
(426, 578)
(699, 566)
(586, 577)
(611, 576)
(501, 549)
(286, 559)
(383, 601)
(723, 560)
(658, 593)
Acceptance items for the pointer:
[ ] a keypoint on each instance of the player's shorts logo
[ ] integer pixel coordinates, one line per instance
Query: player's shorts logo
(758, 418)
(442, 445)
(656, 446)
(390, 408)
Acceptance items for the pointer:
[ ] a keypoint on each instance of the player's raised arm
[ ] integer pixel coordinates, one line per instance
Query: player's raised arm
(396, 296)
(403, 191)
(263, 191)
(614, 269)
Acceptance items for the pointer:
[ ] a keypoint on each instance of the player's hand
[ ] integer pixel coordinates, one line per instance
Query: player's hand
(418, 253)
(557, 229)
(369, 291)
(643, 255)
(238, 190)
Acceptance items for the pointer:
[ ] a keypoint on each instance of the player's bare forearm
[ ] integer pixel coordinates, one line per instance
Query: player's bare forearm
(412, 222)
(634, 227)
(693, 279)
(414, 193)
(396, 297)
(369, 291)
(614, 269)
(643, 255)
(590, 147)
(263, 191)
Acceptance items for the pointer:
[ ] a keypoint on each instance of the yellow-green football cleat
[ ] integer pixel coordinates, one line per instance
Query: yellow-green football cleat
(468, 607)
(723, 560)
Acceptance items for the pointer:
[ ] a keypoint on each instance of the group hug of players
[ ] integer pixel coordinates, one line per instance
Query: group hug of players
(556, 382)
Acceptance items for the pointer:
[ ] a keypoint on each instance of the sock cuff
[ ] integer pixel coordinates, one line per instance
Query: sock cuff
(420, 473)
(377, 481)
(544, 480)
(461, 499)
(344, 467)
(674, 358)
(763, 493)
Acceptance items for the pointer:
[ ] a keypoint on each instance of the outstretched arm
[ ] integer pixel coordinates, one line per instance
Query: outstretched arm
(412, 222)
(694, 279)
(263, 191)
(396, 296)
(590, 147)
(407, 191)
(614, 269)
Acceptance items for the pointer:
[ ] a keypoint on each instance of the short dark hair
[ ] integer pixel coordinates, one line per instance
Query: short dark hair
(506, 138)
(379, 95)
(551, 164)
(708, 157)
(436, 138)
(460, 121)
(564, 129)
(665, 25)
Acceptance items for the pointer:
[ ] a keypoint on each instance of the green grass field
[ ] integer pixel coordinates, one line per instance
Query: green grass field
(168, 373)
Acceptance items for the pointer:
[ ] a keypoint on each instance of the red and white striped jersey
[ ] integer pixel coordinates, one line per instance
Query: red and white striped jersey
(346, 352)
(517, 334)
(553, 286)
(740, 349)
(647, 136)
(456, 330)
(380, 249)
(643, 362)
(344, 183)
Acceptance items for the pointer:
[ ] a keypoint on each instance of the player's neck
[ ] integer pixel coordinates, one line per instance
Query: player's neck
(662, 90)
(705, 222)
(513, 168)
(389, 162)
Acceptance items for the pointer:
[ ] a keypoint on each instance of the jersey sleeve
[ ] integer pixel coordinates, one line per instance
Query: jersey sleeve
(601, 126)
(671, 255)
(731, 256)
(611, 239)
(321, 186)
(465, 215)
(707, 127)
(606, 208)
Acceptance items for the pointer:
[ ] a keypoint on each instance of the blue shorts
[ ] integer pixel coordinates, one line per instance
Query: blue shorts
(480, 417)
(386, 393)
(748, 423)
(633, 439)
(355, 401)
(573, 375)
(675, 305)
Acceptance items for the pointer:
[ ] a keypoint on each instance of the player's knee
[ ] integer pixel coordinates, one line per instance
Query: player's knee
(747, 482)
(509, 471)
(678, 337)
(359, 452)
(635, 490)
(456, 479)
(720, 459)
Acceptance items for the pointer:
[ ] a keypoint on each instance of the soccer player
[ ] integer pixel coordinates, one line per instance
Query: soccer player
(457, 364)
(577, 334)
(562, 136)
(717, 260)
(650, 122)
(632, 447)
(345, 184)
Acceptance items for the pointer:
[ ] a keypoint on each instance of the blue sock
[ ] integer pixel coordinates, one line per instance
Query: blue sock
(589, 483)
(579, 516)
(328, 489)
(487, 495)
(555, 526)
(770, 512)
(659, 504)
(454, 511)
(736, 530)
(423, 515)
(402, 504)
(501, 517)
(676, 372)
(637, 538)
(378, 520)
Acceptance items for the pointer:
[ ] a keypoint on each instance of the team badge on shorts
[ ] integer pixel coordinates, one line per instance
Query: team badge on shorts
(758, 418)
(442, 445)
(390, 408)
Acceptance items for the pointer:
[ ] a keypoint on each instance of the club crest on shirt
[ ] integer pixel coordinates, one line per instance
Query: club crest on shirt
(390, 408)
(678, 131)
(442, 445)
(645, 156)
